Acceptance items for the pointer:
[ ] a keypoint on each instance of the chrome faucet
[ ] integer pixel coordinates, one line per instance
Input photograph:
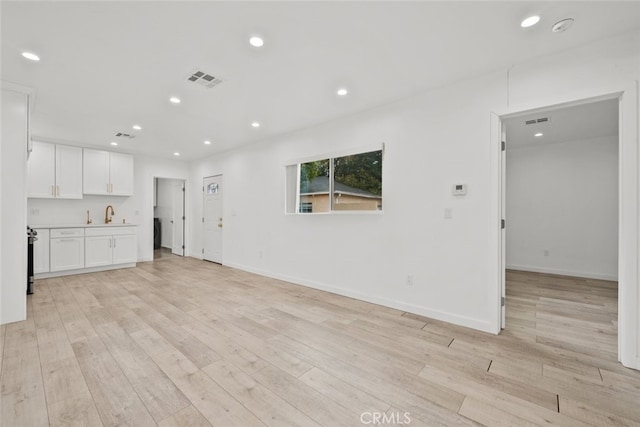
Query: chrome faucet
(107, 218)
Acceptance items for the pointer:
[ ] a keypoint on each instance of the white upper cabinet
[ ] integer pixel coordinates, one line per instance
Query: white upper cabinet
(121, 172)
(69, 172)
(55, 171)
(95, 177)
(107, 173)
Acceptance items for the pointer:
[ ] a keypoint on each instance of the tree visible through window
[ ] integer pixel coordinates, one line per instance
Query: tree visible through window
(348, 183)
(358, 182)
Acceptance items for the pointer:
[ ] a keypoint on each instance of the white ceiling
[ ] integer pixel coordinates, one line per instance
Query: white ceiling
(574, 123)
(106, 66)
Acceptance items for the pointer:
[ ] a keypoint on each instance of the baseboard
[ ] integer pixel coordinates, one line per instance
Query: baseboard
(455, 319)
(561, 272)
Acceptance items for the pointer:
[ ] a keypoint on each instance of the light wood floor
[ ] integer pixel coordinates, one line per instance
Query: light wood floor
(181, 342)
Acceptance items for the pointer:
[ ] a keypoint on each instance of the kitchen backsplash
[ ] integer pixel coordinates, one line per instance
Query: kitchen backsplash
(74, 212)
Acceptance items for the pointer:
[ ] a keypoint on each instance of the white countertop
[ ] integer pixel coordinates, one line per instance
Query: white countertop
(92, 225)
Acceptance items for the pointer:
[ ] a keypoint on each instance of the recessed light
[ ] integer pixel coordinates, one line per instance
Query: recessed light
(538, 134)
(342, 91)
(114, 143)
(255, 124)
(137, 127)
(176, 154)
(31, 56)
(175, 100)
(207, 142)
(256, 41)
(530, 21)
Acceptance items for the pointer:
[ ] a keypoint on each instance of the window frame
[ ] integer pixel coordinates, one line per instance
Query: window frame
(289, 165)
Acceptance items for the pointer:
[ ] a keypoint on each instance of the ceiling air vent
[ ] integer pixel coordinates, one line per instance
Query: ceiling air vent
(204, 79)
(124, 135)
(534, 121)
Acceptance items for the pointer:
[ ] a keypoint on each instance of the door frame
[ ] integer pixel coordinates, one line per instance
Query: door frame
(185, 208)
(203, 216)
(628, 212)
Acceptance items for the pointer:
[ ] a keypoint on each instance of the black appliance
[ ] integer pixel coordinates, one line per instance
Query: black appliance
(31, 238)
(157, 233)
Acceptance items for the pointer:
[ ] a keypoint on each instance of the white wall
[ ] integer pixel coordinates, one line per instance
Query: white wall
(433, 140)
(74, 211)
(563, 198)
(146, 169)
(369, 256)
(164, 210)
(13, 206)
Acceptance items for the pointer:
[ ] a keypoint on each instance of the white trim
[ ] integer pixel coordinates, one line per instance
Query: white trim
(629, 230)
(340, 153)
(561, 272)
(5, 85)
(444, 316)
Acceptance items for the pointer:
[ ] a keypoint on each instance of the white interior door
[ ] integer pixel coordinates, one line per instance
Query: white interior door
(177, 246)
(212, 219)
(503, 243)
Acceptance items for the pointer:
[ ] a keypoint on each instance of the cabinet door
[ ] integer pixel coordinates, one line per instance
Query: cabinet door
(97, 251)
(66, 253)
(68, 172)
(125, 249)
(41, 170)
(121, 174)
(41, 252)
(95, 175)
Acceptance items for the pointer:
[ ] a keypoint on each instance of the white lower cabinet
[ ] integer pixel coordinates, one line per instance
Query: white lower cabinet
(97, 251)
(110, 246)
(66, 249)
(125, 249)
(41, 251)
(63, 251)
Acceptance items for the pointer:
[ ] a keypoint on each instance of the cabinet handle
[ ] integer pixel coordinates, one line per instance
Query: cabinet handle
(66, 240)
(110, 243)
(53, 191)
(112, 188)
(108, 188)
(114, 242)
(57, 190)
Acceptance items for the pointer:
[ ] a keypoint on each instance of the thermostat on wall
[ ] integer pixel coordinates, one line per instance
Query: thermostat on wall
(459, 190)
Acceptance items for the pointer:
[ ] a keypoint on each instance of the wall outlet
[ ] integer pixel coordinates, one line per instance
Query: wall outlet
(410, 280)
(448, 213)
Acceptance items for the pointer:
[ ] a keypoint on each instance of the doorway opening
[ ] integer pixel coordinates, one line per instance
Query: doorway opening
(168, 217)
(212, 218)
(561, 206)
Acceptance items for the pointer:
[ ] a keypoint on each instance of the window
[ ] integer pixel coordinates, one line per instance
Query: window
(314, 186)
(213, 188)
(306, 207)
(346, 183)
